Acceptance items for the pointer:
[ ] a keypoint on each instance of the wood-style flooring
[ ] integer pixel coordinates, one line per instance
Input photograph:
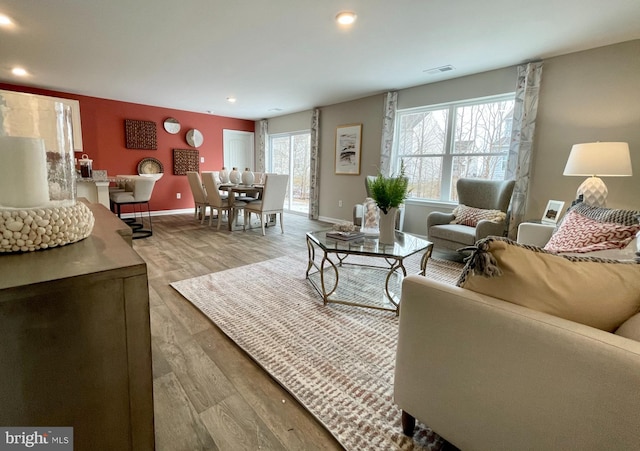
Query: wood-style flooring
(208, 394)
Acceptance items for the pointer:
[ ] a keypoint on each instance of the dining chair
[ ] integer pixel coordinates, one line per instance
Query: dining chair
(216, 202)
(271, 202)
(199, 195)
(142, 188)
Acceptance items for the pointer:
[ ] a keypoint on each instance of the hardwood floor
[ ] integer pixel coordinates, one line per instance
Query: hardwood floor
(208, 394)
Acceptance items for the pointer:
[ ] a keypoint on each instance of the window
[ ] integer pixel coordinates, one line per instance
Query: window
(442, 143)
(290, 153)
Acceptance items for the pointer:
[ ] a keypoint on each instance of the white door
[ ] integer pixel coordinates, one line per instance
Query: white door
(238, 150)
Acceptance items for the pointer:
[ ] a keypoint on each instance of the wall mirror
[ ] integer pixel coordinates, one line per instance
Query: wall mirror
(171, 125)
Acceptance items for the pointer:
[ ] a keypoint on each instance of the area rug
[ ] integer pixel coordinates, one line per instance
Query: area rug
(337, 360)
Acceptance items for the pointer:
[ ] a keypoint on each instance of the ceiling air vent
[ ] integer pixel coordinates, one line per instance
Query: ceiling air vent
(439, 70)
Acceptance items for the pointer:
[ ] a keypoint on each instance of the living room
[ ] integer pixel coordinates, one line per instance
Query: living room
(586, 96)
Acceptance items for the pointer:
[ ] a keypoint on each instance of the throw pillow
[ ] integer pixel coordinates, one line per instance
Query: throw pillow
(596, 292)
(470, 216)
(630, 328)
(580, 233)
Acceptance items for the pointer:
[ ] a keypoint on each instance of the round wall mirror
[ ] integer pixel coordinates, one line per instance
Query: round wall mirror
(195, 138)
(171, 125)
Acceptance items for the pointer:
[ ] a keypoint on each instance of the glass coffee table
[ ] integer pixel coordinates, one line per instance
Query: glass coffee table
(343, 272)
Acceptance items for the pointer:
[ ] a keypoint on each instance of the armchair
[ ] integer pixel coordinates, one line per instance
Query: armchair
(475, 193)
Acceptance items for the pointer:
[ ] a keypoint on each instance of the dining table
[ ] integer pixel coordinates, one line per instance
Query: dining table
(238, 192)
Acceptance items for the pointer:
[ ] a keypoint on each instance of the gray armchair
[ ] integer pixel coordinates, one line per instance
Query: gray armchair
(477, 193)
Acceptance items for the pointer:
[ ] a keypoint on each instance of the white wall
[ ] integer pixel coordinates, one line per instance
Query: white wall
(586, 96)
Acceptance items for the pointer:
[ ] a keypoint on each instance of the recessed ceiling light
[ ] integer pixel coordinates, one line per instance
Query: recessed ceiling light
(346, 17)
(18, 71)
(5, 20)
(275, 110)
(231, 99)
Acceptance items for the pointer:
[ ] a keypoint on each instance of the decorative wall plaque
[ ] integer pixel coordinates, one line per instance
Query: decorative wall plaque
(185, 160)
(140, 134)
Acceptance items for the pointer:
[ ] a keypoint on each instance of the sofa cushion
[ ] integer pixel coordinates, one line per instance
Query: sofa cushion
(630, 328)
(457, 233)
(470, 216)
(580, 232)
(593, 291)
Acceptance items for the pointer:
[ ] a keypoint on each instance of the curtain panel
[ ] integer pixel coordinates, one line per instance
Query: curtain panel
(261, 151)
(521, 147)
(314, 166)
(388, 126)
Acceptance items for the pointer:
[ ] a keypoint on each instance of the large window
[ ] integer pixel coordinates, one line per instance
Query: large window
(290, 153)
(442, 143)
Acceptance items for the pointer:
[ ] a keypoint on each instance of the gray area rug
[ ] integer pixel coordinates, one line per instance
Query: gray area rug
(337, 360)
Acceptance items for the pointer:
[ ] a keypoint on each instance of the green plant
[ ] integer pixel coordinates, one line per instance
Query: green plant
(389, 192)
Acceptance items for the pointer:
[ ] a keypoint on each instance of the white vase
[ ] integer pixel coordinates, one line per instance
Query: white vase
(388, 226)
(248, 177)
(235, 177)
(224, 175)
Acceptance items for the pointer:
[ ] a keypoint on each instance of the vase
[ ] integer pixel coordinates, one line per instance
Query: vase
(248, 177)
(388, 226)
(224, 175)
(235, 177)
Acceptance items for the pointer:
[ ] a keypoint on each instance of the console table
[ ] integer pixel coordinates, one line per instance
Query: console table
(75, 339)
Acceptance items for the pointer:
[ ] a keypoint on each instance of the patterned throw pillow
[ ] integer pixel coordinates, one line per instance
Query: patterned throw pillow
(581, 233)
(470, 216)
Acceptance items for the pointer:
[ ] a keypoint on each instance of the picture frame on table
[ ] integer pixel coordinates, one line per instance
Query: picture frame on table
(552, 212)
(348, 149)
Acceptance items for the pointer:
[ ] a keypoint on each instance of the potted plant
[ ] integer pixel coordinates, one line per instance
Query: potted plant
(389, 193)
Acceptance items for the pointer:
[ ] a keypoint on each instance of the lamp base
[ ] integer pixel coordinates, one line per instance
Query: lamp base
(594, 192)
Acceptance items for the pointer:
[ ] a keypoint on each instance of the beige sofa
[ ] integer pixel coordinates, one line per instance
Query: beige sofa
(491, 375)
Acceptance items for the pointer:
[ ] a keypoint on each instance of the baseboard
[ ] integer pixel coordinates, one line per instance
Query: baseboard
(162, 213)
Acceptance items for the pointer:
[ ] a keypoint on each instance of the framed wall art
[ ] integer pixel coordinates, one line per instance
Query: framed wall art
(552, 212)
(348, 149)
(140, 134)
(185, 160)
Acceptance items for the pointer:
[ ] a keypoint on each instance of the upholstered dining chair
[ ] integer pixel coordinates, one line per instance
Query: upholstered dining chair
(199, 195)
(142, 188)
(216, 202)
(271, 202)
(482, 211)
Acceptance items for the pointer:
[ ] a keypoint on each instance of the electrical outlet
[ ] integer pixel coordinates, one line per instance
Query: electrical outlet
(340, 203)
(178, 195)
(201, 159)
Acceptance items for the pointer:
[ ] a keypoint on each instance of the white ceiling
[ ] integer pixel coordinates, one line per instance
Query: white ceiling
(287, 54)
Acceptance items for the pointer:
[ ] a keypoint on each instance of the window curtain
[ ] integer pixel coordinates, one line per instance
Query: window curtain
(263, 139)
(314, 166)
(521, 147)
(388, 125)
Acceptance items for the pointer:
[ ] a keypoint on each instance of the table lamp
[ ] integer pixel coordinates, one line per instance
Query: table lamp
(605, 159)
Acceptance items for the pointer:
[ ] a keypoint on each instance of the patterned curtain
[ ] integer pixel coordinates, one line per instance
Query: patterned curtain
(261, 152)
(388, 124)
(524, 125)
(314, 188)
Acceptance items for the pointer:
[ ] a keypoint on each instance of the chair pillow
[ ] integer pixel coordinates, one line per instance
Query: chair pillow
(581, 233)
(470, 216)
(593, 291)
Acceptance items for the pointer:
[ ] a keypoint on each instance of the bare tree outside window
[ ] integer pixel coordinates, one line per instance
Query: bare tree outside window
(439, 145)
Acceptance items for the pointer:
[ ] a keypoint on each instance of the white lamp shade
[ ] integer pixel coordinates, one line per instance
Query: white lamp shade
(605, 159)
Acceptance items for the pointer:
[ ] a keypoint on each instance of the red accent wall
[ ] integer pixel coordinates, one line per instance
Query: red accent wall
(104, 141)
